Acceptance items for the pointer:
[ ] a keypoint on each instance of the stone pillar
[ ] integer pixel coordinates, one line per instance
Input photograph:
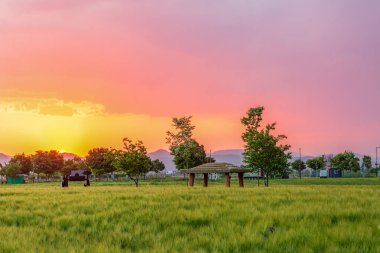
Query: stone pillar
(228, 179)
(241, 179)
(205, 179)
(191, 179)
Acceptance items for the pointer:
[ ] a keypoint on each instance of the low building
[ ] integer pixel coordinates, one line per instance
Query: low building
(333, 172)
(18, 179)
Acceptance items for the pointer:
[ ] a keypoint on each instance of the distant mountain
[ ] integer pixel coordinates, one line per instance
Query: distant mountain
(165, 157)
(229, 156)
(233, 156)
(4, 158)
(296, 156)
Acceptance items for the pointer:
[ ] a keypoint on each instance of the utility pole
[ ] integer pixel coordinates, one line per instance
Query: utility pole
(376, 164)
(300, 163)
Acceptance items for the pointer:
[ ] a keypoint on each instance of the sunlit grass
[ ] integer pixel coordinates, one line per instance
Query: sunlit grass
(166, 216)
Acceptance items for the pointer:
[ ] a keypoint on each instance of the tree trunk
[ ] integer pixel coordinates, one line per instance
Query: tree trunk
(300, 174)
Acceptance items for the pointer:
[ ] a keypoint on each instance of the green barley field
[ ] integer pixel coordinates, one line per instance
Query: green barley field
(308, 215)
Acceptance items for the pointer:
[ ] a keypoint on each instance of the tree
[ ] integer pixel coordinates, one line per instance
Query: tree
(40, 162)
(346, 161)
(25, 162)
(184, 131)
(56, 162)
(298, 165)
(157, 166)
(75, 164)
(12, 169)
(2, 172)
(187, 151)
(100, 161)
(367, 162)
(47, 162)
(133, 160)
(189, 154)
(262, 149)
(317, 163)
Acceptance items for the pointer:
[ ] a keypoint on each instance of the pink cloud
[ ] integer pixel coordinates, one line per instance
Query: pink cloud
(311, 63)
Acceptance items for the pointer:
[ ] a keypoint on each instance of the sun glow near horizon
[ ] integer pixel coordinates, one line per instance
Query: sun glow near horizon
(50, 124)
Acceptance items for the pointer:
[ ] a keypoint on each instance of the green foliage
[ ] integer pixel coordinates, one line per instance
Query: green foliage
(262, 149)
(100, 161)
(299, 166)
(133, 160)
(367, 162)
(47, 162)
(346, 161)
(317, 163)
(12, 169)
(187, 152)
(184, 131)
(157, 166)
(25, 162)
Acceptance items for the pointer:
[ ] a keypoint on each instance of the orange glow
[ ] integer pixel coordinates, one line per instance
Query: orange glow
(34, 127)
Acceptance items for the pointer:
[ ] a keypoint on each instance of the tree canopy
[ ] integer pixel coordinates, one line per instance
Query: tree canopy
(317, 163)
(47, 162)
(187, 151)
(100, 161)
(157, 166)
(25, 162)
(263, 149)
(346, 161)
(367, 162)
(12, 169)
(299, 166)
(133, 160)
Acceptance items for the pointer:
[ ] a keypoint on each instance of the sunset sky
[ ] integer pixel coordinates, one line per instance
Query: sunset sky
(81, 74)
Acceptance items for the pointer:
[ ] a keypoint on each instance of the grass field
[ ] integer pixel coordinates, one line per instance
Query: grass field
(308, 215)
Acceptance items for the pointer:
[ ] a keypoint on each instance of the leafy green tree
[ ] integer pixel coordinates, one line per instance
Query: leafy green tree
(157, 166)
(262, 149)
(133, 160)
(346, 161)
(100, 161)
(317, 163)
(189, 154)
(187, 151)
(184, 131)
(12, 169)
(367, 162)
(25, 162)
(298, 165)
